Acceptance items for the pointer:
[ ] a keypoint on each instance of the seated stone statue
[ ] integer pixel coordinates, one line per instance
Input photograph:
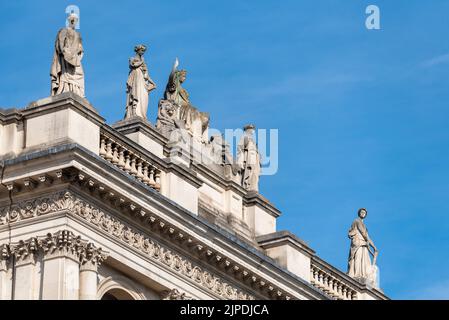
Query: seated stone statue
(196, 122)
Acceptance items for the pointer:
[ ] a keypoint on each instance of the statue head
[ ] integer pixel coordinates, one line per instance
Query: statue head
(181, 75)
(140, 49)
(249, 129)
(362, 213)
(72, 20)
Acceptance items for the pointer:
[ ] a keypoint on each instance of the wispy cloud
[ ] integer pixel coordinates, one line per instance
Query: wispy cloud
(444, 58)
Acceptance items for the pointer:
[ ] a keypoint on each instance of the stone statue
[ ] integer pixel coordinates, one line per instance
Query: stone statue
(196, 122)
(168, 123)
(215, 148)
(66, 70)
(167, 119)
(359, 262)
(138, 86)
(248, 159)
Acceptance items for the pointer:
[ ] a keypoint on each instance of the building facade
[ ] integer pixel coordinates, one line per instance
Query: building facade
(93, 211)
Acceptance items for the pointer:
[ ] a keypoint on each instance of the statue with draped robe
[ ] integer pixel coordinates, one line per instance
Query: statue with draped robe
(248, 160)
(138, 86)
(362, 247)
(66, 70)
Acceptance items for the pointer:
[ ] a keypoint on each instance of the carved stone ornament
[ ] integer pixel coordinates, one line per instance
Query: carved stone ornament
(63, 242)
(67, 201)
(174, 294)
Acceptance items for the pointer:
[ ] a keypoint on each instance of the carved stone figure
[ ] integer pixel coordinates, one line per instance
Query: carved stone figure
(359, 262)
(249, 160)
(138, 86)
(174, 294)
(215, 147)
(166, 117)
(169, 124)
(196, 122)
(66, 70)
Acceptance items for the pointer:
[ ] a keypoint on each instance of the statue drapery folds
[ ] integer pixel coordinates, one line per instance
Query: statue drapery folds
(248, 159)
(362, 247)
(66, 70)
(138, 86)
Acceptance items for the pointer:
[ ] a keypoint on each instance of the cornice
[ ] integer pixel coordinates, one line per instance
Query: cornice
(284, 237)
(255, 198)
(8, 116)
(194, 226)
(61, 102)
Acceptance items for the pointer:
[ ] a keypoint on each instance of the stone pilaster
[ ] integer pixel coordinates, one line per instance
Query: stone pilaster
(58, 266)
(27, 270)
(61, 266)
(5, 273)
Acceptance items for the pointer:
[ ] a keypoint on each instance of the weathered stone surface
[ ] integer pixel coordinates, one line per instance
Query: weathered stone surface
(360, 266)
(249, 160)
(138, 86)
(66, 71)
(195, 121)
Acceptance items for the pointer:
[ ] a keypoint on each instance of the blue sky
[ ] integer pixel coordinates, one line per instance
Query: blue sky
(363, 116)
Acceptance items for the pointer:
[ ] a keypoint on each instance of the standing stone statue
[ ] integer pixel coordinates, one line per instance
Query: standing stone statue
(248, 159)
(359, 262)
(66, 70)
(196, 122)
(138, 86)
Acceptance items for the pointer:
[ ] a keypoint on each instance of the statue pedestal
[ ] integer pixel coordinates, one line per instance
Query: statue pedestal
(373, 280)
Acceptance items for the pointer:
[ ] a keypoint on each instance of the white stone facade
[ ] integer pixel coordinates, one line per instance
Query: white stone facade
(90, 211)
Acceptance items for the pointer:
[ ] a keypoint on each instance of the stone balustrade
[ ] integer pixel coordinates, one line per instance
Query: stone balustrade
(130, 161)
(331, 284)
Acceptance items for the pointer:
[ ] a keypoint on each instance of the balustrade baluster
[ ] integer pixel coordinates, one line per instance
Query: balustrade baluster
(139, 169)
(121, 158)
(133, 165)
(102, 147)
(127, 162)
(115, 158)
(108, 155)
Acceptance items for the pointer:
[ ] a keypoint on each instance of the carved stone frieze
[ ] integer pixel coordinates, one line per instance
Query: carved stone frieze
(174, 294)
(106, 222)
(71, 203)
(32, 208)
